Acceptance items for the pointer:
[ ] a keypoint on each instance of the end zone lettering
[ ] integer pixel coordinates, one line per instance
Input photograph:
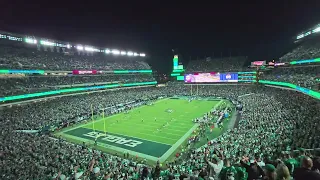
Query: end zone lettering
(113, 139)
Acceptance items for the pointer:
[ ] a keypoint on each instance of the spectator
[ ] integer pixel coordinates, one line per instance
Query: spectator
(270, 173)
(305, 171)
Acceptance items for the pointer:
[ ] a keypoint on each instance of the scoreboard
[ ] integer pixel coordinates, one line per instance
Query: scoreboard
(217, 77)
(210, 77)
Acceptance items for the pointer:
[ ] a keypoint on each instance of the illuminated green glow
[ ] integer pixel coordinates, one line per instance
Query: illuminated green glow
(305, 61)
(22, 71)
(132, 71)
(180, 78)
(310, 92)
(175, 74)
(178, 70)
(278, 83)
(25, 96)
(4, 71)
(253, 72)
(175, 62)
(139, 84)
(247, 76)
(180, 67)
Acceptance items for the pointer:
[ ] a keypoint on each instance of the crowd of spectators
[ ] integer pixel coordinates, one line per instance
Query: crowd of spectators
(30, 84)
(226, 64)
(304, 76)
(309, 49)
(17, 57)
(273, 123)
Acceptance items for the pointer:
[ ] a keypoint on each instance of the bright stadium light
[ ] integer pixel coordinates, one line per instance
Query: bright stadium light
(115, 52)
(142, 54)
(135, 54)
(130, 53)
(80, 48)
(316, 30)
(123, 53)
(68, 46)
(300, 36)
(31, 41)
(47, 43)
(89, 49)
(307, 33)
(108, 51)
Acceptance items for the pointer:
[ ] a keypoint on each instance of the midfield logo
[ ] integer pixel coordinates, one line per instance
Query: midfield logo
(113, 139)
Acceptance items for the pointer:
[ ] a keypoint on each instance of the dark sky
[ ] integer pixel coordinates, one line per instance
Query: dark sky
(259, 29)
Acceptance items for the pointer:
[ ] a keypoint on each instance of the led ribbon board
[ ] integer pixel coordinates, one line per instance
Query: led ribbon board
(14, 71)
(305, 61)
(310, 92)
(25, 96)
(132, 71)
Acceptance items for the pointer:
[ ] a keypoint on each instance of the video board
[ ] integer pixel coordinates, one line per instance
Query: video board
(212, 77)
(258, 63)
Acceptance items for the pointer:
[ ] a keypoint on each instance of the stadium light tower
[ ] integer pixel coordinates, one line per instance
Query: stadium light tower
(107, 51)
(80, 48)
(130, 53)
(115, 52)
(316, 30)
(31, 41)
(47, 43)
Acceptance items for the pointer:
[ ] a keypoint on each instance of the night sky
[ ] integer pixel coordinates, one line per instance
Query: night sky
(262, 30)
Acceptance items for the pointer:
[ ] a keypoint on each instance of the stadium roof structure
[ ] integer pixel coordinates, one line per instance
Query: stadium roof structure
(314, 30)
(54, 43)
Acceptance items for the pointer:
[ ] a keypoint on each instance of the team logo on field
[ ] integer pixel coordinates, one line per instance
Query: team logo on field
(113, 139)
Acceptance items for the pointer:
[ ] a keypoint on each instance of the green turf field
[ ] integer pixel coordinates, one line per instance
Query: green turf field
(149, 131)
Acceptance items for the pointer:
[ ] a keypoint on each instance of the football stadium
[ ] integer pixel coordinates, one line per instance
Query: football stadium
(80, 111)
(135, 132)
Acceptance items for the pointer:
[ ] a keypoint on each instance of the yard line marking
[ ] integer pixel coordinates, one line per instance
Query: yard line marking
(182, 139)
(173, 125)
(108, 117)
(152, 130)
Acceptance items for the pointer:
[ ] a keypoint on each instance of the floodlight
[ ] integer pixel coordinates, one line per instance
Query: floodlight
(31, 41)
(130, 53)
(91, 49)
(80, 48)
(123, 53)
(47, 43)
(115, 52)
(316, 30)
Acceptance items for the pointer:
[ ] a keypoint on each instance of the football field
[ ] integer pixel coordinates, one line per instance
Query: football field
(151, 131)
